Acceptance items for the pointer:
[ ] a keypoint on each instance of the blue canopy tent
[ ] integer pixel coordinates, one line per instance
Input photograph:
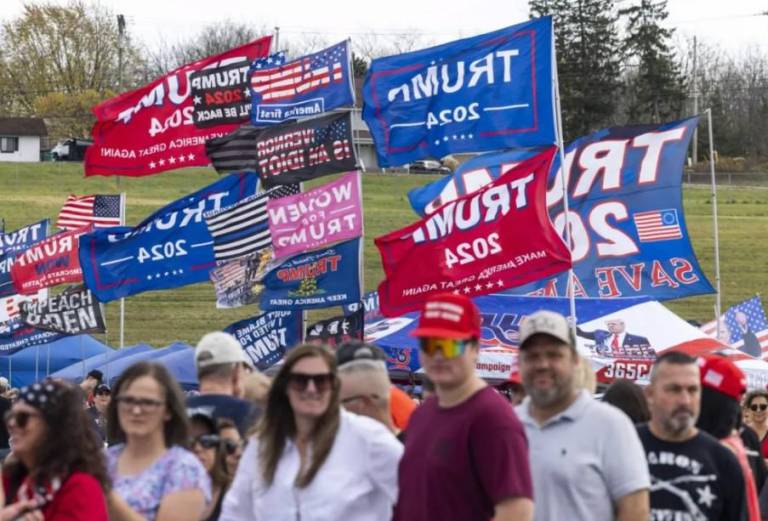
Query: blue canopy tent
(116, 368)
(181, 365)
(77, 371)
(36, 362)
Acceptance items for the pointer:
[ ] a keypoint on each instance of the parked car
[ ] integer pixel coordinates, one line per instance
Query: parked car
(70, 149)
(428, 166)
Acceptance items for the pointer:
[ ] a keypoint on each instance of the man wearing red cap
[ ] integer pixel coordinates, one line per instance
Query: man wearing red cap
(693, 476)
(466, 456)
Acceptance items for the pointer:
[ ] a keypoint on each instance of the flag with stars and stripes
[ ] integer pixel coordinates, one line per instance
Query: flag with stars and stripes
(290, 152)
(744, 326)
(101, 211)
(221, 95)
(238, 282)
(242, 229)
(303, 87)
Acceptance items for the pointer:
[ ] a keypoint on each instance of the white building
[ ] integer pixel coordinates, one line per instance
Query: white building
(20, 139)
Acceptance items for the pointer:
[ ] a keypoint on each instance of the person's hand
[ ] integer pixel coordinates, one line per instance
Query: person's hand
(21, 511)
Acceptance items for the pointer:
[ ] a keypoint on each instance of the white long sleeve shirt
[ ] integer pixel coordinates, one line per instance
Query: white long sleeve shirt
(357, 481)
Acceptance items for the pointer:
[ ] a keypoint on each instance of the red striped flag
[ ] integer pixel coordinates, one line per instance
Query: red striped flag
(658, 225)
(102, 211)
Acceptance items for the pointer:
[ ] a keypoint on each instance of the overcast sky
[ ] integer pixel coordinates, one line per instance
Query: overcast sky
(732, 25)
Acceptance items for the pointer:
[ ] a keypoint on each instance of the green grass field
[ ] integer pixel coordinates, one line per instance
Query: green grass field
(30, 192)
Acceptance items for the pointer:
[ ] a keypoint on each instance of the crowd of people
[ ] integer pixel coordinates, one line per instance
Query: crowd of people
(329, 437)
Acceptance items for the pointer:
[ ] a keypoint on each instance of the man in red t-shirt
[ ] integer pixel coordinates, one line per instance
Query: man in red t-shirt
(466, 455)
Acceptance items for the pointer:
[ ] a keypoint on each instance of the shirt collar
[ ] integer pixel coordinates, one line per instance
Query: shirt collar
(574, 411)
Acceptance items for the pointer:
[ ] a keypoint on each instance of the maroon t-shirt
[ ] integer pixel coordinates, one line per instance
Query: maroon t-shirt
(461, 461)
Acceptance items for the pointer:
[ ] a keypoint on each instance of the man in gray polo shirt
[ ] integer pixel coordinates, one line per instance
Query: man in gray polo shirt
(586, 459)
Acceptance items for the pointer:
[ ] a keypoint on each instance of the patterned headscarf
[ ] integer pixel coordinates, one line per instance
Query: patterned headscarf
(44, 395)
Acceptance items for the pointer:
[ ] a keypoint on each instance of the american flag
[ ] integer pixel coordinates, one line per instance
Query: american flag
(243, 228)
(10, 308)
(302, 75)
(658, 225)
(738, 321)
(102, 211)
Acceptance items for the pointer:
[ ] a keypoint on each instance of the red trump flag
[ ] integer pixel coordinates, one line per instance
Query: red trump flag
(152, 129)
(496, 238)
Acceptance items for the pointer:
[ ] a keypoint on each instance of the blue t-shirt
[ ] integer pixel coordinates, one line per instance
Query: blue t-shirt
(218, 406)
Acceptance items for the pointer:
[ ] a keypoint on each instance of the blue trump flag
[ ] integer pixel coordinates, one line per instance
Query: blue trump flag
(12, 244)
(319, 279)
(626, 213)
(487, 92)
(304, 87)
(265, 338)
(21, 336)
(170, 248)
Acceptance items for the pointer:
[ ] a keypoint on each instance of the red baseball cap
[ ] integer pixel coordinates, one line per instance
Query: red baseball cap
(449, 315)
(722, 375)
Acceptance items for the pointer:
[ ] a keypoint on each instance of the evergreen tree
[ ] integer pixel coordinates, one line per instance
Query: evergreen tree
(655, 87)
(588, 61)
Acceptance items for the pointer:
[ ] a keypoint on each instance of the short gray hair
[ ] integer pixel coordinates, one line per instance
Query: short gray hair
(371, 367)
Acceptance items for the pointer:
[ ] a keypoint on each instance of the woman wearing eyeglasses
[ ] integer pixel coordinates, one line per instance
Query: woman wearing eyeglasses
(309, 459)
(56, 470)
(154, 476)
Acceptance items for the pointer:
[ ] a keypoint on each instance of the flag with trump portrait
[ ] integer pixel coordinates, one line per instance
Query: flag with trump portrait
(304, 87)
(743, 326)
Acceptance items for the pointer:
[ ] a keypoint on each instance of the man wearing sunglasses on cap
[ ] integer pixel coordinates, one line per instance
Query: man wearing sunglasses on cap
(586, 458)
(466, 455)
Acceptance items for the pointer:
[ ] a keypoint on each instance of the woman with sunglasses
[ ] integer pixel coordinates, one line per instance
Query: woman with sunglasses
(207, 445)
(232, 443)
(309, 459)
(756, 402)
(56, 470)
(154, 476)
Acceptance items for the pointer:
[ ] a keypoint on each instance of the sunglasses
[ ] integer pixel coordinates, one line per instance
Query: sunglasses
(450, 348)
(758, 407)
(300, 381)
(20, 418)
(206, 441)
(231, 446)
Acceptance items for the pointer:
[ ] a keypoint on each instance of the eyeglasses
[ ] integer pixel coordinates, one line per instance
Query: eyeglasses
(450, 348)
(129, 403)
(300, 381)
(758, 407)
(206, 441)
(20, 418)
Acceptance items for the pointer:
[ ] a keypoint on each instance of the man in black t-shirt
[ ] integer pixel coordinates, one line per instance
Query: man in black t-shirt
(693, 476)
(221, 366)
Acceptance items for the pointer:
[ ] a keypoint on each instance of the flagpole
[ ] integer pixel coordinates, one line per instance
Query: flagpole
(563, 179)
(37, 362)
(714, 219)
(122, 300)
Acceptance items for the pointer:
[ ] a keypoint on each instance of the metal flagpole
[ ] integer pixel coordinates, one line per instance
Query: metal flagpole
(48, 360)
(564, 181)
(122, 300)
(714, 219)
(37, 362)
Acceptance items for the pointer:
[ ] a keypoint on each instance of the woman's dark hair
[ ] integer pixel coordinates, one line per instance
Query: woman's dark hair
(219, 475)
(277, 424)
(176, 429)
(719, 413)
(629, 397)
(70, 444)
(751, 395)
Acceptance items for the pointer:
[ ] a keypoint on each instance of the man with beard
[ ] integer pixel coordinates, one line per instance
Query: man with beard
(586, 459)
(693, 476)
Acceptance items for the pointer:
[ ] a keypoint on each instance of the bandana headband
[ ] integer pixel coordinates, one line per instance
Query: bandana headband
(43, 396)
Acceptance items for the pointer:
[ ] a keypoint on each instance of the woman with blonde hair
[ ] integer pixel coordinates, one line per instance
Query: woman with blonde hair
(308, 458)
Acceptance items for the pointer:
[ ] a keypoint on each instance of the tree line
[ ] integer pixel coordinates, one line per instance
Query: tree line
(617, 64)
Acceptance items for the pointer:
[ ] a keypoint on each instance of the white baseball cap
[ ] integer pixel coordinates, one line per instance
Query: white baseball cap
(219, 348)
(548, 323)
